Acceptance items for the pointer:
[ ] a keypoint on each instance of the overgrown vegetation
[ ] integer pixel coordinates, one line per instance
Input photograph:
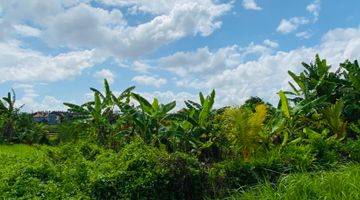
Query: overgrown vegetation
(122, 146)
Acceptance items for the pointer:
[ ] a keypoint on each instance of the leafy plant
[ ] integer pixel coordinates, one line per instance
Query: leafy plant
(243, 128)
(151, 122)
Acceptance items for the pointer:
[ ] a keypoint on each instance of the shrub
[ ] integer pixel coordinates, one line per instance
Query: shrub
(352, 149)
(146, 172)
(243, 128)
(327, 152)
(298, 157)
(235, 174)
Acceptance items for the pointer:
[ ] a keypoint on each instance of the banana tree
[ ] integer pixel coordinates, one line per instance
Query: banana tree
(315, 81)
(152, 120)
(318, 82)
(333, 117)
(196, 126)
(9, 113)
(318, 89)
(125, 125)
(351, 90)
(294, 122)
(98, 114)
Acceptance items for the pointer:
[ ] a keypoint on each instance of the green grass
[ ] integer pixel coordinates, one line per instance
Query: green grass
(15, 157)
(340, 184)
(18, 150)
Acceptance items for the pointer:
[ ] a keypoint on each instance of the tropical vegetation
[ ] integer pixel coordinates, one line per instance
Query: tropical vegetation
(123, 146)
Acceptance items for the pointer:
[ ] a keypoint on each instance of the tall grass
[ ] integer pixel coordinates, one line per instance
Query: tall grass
(340, 184)
(17, 150)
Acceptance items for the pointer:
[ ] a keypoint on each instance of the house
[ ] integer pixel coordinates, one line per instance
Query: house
(40, 117)
(50, 118)
(53, 118)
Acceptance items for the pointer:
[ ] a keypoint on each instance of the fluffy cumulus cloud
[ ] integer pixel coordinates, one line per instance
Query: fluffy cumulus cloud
(250, 5)
(157, 7)
(304, 34)
(26, 30)
(26, 65)
(149, 80)
(105, 74)
(204, 61)
(271, 43)
(86, 30)
(80, 25)
(314, 9)
(288, 26)
(31, 102)
(140, 66)
(266, 74)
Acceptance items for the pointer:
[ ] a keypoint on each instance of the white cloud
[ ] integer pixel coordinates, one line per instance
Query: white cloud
(105, 74)
(314, 9)
(92, 34)
(79, 25)
(31, 102)
(250, 5)
(271, 43)
(264, 76)
(288, 26)
(149, 80)
(140, 66)
(26, 30)
(19, 64)
(205, 61)
(185, 63)
(157, 7)
(304, 34)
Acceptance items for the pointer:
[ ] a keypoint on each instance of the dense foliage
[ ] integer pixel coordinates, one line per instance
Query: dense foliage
(122, 146)
(17, 127)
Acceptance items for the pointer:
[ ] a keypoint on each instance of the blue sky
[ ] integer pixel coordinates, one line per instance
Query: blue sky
(53, 51)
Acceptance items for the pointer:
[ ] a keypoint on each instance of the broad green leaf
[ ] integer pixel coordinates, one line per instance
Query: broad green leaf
(168, 107)
(97, 91)
(311, 134)
(155, 104)
(202, 99)
(284, 104)
(126, 92)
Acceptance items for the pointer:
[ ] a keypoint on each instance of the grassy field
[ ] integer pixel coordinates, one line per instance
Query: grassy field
(340, 184)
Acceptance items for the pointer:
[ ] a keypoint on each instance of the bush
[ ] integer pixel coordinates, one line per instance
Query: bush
(352, 150)
(184, 177)
(146, 172)
(46, 173)
(298, 157)
(235, 174)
